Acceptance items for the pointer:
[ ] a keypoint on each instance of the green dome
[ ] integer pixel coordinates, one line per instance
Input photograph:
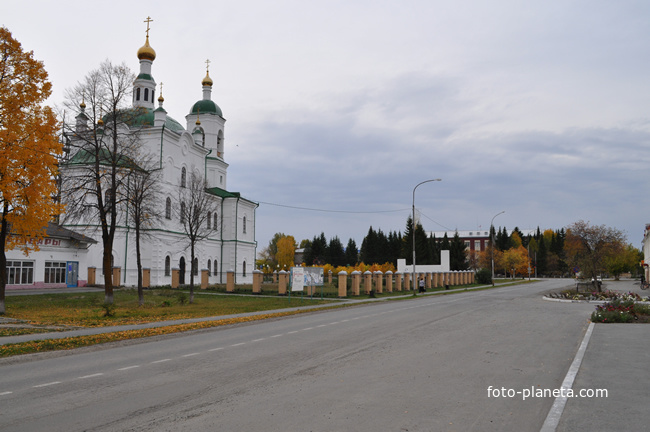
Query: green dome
(206, 106)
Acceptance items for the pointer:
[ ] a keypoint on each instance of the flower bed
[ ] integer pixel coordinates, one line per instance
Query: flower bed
(598, 296)
(621, 311)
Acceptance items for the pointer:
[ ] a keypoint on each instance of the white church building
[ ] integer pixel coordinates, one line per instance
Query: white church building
(198, 147)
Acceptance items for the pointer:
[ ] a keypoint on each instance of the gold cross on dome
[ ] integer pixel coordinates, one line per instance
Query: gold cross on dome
(207, 65)
(148, 20)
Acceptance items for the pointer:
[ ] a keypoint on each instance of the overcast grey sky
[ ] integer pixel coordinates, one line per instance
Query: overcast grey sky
(538, 108)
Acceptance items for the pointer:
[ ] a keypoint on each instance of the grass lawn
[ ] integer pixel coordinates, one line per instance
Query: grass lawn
(88, 310)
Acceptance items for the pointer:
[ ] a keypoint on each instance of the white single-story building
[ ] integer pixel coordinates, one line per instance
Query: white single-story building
(61, 261)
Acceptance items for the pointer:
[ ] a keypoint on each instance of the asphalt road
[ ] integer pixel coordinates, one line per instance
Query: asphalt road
(409, 365)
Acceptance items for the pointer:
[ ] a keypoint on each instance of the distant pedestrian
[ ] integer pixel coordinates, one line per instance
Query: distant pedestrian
(422, 286)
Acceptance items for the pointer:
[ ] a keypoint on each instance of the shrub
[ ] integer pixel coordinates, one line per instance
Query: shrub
(484, 277)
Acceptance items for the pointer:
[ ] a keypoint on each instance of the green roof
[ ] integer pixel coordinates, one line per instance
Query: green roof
(144, 117)
(144, 76)
(105, 156)
(223, 193)
(206, 106)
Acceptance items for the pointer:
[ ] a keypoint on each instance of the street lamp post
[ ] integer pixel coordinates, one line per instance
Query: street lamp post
(492, 245)
(413, 229)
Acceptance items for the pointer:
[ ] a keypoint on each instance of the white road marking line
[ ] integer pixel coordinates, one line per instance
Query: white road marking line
(91, 376)
(215, 349)
(258, 340)
(161, 361)
(190, 354)
(129, 367)
(47, 384)
(277, 335)
(238, 344)
(5, 393)
(308, 328)
(345, 320)
(292, 332)
(322, 325)
(554, 415)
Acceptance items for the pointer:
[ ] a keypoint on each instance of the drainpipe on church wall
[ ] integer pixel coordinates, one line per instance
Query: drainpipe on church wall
(162, 133)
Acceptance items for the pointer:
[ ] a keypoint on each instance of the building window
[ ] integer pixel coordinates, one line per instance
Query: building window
(215, 225)
(182, 212)
(146, 94)
(137, 94)
(196, 267)
(477, 245)
(54, 272)
(183, 176)
(215, 268)
(243, 268)
(20, 272)
(209, 220)
(209, 267)
(220, 179)
(466, 244)
(168, 265)
(168, 208)
(244, 225)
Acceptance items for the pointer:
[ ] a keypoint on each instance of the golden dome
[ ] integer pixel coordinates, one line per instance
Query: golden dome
(207, 81)
(146, 52)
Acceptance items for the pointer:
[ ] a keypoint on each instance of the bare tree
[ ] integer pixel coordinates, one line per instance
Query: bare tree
(195, 210)
(102, 146)
(143, 208)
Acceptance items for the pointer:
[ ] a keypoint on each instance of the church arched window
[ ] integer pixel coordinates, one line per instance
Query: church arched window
(243, 269)
(215, 225)
(137, 94)
(168, 263)
(146, 94)
(196, 266)
(209, 219)
(209, 267)
(183, 176)
(168, 208)
(215, 268)
(182, 212)
(244, 224)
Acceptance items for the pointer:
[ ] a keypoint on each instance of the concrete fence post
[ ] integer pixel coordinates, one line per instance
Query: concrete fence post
(343, 283)
(230, 281)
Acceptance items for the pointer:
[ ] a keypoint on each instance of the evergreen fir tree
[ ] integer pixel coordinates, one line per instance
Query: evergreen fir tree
(336, 252)
(457, 257)
(351, 253)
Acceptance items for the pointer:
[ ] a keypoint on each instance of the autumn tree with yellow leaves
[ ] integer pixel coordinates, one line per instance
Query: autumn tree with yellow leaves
(29, 151)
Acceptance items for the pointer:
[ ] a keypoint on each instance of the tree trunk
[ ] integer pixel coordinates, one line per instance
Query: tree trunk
(3, 262)
(192, 274)
(108, 274)
(139, 262)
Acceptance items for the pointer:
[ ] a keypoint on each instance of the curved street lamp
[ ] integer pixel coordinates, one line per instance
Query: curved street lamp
(413, 229)
(492, 245)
